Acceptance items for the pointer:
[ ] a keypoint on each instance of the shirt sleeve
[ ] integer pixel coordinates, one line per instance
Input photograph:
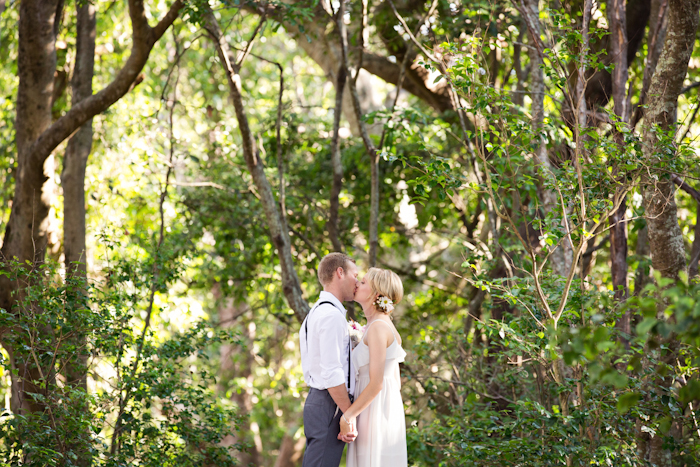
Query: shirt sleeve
(331, 336)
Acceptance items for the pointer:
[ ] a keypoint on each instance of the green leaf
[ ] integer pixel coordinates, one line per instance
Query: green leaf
(646, 325)
(626, 401)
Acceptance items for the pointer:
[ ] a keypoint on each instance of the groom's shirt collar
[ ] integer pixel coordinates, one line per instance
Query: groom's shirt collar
(329, 297)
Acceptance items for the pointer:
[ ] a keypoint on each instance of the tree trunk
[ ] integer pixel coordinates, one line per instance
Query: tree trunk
(336, 162)
(665, 237)
(74, 165)
(634, 22)
(276, 223)
(656, 38)
(27, 230)
(79, 146)
(561, 257)
(26, 233)
(617, 18)
(290, 450)
(73, 183)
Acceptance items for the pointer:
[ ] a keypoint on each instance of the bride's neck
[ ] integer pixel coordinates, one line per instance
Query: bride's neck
(370, 312)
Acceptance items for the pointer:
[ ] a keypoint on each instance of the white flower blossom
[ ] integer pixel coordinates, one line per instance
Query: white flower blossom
(481, 71)
(385, 303)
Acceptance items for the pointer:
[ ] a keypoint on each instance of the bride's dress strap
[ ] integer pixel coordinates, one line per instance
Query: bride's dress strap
(381, 321)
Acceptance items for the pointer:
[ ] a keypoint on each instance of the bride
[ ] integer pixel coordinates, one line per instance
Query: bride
(377, 412)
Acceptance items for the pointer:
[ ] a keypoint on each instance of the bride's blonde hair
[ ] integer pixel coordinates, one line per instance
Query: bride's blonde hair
(386, 283)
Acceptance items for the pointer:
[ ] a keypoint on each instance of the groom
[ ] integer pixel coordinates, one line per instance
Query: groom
(325, 360)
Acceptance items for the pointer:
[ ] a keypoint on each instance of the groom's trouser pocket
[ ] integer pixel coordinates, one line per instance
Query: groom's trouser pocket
(319, 413)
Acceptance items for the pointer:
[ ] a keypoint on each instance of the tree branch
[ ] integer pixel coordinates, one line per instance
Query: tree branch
(685, 187)
(276, 222)
(144, 38)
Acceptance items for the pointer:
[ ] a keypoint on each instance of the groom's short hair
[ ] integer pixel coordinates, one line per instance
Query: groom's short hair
(329, 264)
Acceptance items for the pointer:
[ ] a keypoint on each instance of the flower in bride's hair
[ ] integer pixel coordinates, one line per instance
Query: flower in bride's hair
(385, 303)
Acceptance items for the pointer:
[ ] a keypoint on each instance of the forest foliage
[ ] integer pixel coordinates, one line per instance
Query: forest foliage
(171, 173)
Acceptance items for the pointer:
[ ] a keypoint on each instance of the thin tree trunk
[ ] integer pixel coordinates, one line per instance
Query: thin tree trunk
(336, 161)
(657, 35)
(276, 223)
(79, 146)
(617, 18)
(561, 257)
(73, 183)
(580, 106)
(74, 165)
(290, 450)
(369, 146)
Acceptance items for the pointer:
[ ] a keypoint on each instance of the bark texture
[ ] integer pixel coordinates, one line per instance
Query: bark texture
(276, 223)
(665, 237)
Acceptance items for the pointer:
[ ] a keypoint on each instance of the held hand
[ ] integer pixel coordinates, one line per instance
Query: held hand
(348, 431)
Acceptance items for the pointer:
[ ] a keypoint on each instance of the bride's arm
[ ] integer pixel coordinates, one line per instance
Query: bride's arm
(376, 341)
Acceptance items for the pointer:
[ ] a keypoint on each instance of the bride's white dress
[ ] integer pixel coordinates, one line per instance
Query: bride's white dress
(381, 427)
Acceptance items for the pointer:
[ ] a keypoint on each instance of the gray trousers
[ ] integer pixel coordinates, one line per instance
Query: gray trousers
(321, 426)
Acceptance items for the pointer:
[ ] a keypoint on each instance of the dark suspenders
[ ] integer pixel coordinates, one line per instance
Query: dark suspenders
(306, 332)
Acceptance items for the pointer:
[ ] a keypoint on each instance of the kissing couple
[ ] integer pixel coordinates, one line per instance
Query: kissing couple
(354, 393)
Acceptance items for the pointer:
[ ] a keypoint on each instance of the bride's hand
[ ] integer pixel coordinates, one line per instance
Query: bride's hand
(348, 432)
